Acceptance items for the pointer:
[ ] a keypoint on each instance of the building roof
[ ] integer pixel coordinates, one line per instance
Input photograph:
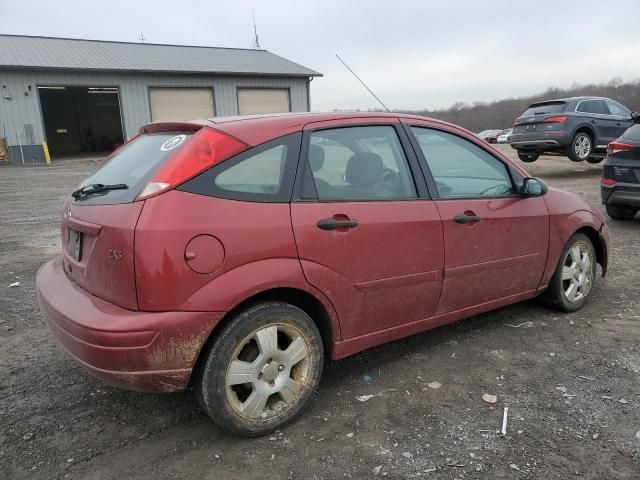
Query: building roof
(25, 52)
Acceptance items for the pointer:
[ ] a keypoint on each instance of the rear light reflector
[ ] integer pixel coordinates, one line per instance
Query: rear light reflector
(203, 150)
(608, 181)
(556, 119)
(615, 147)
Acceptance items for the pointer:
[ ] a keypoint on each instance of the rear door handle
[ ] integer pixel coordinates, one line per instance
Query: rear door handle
(462, 218)
(331, 224)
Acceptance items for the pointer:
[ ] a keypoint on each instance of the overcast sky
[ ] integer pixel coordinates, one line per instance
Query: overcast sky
(413, 54)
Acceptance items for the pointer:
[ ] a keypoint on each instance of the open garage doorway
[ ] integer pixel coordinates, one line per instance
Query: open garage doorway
(81, 121)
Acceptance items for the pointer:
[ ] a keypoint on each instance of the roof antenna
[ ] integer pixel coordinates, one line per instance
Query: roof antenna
(142, 39)
(256, 39)
(363, 84)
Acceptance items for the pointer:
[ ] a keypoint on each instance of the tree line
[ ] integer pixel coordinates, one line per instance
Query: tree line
(501, 113)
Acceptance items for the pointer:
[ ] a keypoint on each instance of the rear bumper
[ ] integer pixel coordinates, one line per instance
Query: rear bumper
(621, 195)
(141, 351)
(539, 142)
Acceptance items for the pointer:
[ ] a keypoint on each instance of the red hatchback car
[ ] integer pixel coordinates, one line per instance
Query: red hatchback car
(232, 255)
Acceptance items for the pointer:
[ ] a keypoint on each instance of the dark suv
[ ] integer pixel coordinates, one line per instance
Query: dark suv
(620, 186)
(579, 127)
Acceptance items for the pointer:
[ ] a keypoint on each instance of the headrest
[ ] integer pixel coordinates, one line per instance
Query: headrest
(364, 168)
(316, 157)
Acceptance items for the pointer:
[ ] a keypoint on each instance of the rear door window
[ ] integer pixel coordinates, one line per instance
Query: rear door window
(593, 106)
(133, 164)
(359, 163)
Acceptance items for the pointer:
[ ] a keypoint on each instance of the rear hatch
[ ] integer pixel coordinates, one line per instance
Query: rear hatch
(540, 114)
(98, 227)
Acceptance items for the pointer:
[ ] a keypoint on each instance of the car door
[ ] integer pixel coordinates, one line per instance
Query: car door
(495, 241)
(598, 116)
(366, 235)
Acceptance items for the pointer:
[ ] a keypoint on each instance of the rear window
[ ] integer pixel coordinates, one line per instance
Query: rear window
(544, 108)
(633, 133)
(133, 165)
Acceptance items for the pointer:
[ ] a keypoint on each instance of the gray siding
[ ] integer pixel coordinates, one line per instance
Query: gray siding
(24, 106)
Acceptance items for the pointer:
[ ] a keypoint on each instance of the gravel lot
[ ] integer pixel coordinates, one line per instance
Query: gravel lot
(571, 382)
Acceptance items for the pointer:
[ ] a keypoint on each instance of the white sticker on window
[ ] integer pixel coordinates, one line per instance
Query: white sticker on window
(173, 142)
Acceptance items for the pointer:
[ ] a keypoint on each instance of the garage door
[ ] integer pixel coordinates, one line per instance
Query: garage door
(263, 100)
(180, 103)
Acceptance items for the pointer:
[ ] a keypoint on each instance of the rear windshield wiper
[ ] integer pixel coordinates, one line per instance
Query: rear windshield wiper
(97, 188)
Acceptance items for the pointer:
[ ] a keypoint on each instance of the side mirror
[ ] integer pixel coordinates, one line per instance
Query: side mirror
(635, 117)
(533, 187)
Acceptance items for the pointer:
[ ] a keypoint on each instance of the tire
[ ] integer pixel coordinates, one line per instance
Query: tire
(595, 159)
(577, 276)
(621, 212)
(581, 147)
(278, 350)
(528, 157)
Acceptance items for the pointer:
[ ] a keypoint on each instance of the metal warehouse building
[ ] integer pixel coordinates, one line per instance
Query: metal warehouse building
(76, 97)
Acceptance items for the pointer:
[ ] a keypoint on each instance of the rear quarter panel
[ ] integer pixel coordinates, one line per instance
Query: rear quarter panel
(259, 254)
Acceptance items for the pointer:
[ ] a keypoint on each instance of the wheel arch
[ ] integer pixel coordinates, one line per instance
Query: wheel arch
(585, 127)
(325, 320)
(598, 245)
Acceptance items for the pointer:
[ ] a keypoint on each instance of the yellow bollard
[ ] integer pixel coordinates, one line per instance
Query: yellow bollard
(47, 157)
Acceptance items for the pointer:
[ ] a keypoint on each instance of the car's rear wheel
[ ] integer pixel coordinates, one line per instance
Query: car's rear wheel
(621, 212)
(581, 147)
(574, 277)
(528, 157)
(262, 370)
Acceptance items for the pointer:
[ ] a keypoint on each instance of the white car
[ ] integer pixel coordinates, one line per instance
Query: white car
(504, 136)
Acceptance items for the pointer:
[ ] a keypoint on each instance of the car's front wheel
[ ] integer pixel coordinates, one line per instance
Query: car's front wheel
(621, 212)
(581, 147)
(262, 370)
(528, 157)
(574, 277)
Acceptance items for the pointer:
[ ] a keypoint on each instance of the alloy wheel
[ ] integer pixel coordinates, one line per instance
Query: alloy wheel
(577, 272)
(268, 372)
(582, 146)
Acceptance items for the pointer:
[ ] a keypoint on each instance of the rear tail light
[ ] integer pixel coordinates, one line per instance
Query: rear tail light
(608, 181)
(205, 149)
(516, 122)
(556, 119)
(615, 147)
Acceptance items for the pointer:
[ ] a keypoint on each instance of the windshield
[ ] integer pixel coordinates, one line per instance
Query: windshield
(133, 165)
(543, 108)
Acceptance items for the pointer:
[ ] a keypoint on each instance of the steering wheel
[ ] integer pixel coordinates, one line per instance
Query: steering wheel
(389, 178)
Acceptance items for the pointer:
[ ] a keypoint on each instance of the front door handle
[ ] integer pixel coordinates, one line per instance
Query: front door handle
(462, 218)
(332, 224)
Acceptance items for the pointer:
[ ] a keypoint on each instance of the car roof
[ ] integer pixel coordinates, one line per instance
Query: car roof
(257, 129)
(569, 99)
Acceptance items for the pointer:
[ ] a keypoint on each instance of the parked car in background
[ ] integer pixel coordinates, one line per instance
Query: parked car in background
(505, 136)
(620, 185)
(233, 255)
(489, 136)
(579, 127)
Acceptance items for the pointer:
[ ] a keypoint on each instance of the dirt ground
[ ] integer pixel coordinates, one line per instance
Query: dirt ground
(571, 382)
